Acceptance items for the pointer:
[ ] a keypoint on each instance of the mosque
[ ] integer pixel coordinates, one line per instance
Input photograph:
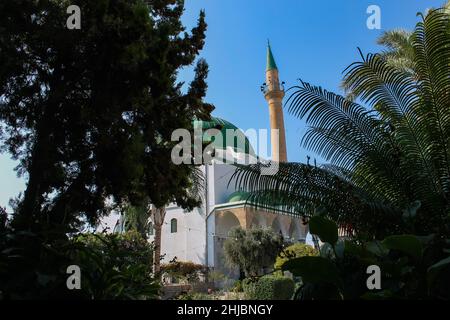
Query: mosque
(198, 236)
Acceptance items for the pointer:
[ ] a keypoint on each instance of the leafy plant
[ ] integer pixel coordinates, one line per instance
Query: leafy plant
(112, 267)
(252, 250)
(270, 288)
(181, 270)
(410, 268)
(117, 266)
(237, 287)
(296, 250)
(195, 296)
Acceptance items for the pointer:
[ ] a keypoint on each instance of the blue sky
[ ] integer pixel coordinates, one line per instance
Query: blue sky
(311, 39)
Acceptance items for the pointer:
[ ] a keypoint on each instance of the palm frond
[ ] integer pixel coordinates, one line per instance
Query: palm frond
(197, 189)
(431, 42)
(345, 133)
(299, 189)
(383, 157)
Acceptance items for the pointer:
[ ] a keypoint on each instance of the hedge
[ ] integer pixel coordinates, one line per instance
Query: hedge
(296, 250)
(269, 288)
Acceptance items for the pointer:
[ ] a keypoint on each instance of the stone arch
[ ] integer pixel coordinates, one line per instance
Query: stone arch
(258, 221)
(225, 222)
(277, 227)
(294, 231)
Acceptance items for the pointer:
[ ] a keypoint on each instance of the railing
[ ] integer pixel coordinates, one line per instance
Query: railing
(265, 88)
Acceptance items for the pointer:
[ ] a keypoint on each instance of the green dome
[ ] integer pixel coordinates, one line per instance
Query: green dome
(223, 126)
(238, 196)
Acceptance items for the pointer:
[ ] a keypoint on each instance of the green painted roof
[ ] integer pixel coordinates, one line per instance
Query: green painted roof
(270, 59)
(223, 126)
(238, 196)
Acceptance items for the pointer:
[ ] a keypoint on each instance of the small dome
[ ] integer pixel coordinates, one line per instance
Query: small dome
(223, 126)
(238, 196)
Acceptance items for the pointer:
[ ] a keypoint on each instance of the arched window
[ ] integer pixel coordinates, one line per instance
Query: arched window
(151, 230)
(173, 226)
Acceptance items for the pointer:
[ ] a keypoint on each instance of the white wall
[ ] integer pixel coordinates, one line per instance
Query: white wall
(189, 242)
(221, 177)
(108, 222)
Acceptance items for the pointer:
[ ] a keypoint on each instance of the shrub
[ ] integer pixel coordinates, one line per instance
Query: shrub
(117, 266)
(181, 270)
(413, 267)
(238, 287)
(112, 267)
(296, 250)
(269, 288)
(130, 246)
(252, 250)
(195, 296)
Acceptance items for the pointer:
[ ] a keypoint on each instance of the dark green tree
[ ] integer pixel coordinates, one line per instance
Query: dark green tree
(89, 113)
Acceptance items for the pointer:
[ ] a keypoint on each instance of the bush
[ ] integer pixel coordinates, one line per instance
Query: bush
(181, 270)
(195, 296)
(269, 288)
(112, 267)
(117, 266)
(131, 248)
(252, 250)
(238, 287)
(412, 267)
(296, 250)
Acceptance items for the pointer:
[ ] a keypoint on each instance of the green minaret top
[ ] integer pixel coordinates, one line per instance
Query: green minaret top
(270, 60)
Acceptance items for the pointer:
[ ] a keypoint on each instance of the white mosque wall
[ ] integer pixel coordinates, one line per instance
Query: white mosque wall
(188, 243)
(222, 174)
(211, 227)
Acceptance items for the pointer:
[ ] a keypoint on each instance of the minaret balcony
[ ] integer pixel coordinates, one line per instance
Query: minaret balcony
(273, 87)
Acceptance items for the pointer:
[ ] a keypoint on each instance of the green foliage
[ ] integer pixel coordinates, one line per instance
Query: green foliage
(117, 266)
(313, 270)
(252, 250)
(181, 270)
(137, 218)
(296, 250)
(324, 228)
(408, 244)
(195, 296)
(112, 267)
(270, 288)
(411, 268)
(399, 48)
(130, 247)
(238, 287)
(89, 113)
(389, 152)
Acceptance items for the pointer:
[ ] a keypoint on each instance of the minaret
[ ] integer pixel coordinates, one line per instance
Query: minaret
(274, 93)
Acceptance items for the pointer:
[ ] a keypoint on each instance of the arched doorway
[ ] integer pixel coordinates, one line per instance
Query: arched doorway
(276, 226)
(294, 231)
(225, 222)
